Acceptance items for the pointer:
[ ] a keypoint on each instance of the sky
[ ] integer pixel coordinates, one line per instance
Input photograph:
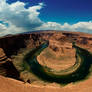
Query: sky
(18, 16)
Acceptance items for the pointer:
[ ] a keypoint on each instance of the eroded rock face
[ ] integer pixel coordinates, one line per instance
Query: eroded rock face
(60, 44)
(3, 57)
(59, 41)
(12, 44)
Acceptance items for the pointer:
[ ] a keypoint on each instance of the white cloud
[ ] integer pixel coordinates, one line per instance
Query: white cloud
(20, 17)
(80, 26)
(12, 29)
(2, 29)
(83, 26)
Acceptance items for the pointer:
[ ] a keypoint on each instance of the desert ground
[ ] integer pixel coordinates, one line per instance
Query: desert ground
(12, 85)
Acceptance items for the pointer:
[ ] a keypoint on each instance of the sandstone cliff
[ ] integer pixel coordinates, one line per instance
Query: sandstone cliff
(60, 46)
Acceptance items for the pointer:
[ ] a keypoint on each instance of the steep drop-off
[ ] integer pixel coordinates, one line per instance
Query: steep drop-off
(60, 46)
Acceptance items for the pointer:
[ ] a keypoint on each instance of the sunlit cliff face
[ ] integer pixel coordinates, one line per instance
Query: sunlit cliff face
(59, 52)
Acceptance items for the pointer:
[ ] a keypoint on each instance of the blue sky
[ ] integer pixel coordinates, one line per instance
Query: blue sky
(71, 11)
(17, 16)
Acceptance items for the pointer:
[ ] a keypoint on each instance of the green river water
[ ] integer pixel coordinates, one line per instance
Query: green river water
(27, 61)
(79, 71)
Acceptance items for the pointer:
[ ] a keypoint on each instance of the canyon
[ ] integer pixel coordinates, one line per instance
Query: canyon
(58, 55)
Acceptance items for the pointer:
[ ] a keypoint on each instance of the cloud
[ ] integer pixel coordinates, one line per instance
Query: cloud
(2, 28)
(12, 29)
(19, 17)
(83, 27)
(15, 18)
(79, 27)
